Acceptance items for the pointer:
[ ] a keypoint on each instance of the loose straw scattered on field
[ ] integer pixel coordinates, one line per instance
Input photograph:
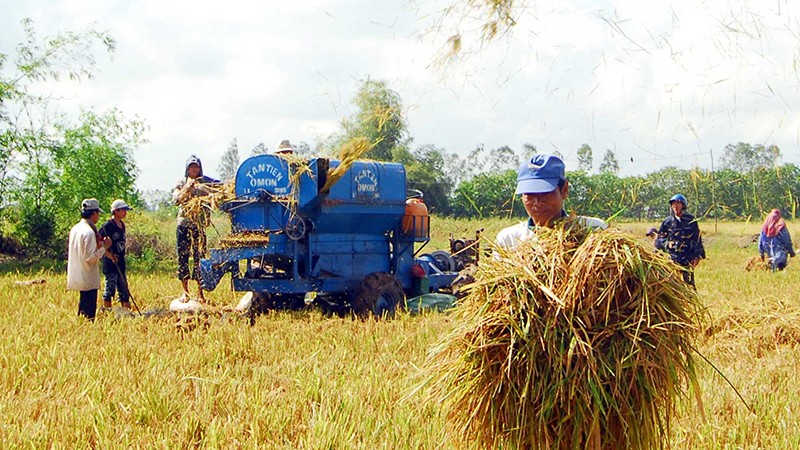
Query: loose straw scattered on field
(575, 340)
(755, 326)
(757, 264)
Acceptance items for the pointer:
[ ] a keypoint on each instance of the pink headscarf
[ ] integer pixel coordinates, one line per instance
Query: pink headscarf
(773, 224)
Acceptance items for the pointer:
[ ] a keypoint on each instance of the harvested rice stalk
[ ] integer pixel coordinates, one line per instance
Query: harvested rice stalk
(298, 166)
(247, 239)
(350, 152)
(197, 209)
(575, 340)
(757, 264)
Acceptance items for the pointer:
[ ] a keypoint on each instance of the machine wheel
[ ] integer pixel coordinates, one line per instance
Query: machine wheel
(380, 294)
(295, 228)
(444, 261)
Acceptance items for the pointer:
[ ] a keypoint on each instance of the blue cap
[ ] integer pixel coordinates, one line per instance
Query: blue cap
(540, 174)
(679, 198)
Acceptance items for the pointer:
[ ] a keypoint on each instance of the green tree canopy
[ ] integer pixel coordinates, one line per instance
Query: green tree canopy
(47, 165)
(379, 118)
(744, 158)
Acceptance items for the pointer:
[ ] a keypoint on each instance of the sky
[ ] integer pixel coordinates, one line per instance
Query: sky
(659, 83)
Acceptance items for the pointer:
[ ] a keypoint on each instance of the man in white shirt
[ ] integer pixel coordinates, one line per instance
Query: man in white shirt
(86, 247)
(542, 183)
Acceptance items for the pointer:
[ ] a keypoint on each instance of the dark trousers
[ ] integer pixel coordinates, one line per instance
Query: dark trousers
(778, 265)
(688, 277)
(191, 241)
(116, 281)
(87, 306)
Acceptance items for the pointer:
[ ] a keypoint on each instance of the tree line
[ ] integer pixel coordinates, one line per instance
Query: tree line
(751, 180)
(48, 163)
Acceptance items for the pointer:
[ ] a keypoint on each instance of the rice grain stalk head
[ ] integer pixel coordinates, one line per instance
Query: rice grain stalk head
(573, 340)
(197, 209)
(245, 239)
(349, 152)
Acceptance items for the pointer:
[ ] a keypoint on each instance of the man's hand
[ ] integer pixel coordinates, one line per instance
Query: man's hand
(112, 257)
(186, 190)
(106, 242)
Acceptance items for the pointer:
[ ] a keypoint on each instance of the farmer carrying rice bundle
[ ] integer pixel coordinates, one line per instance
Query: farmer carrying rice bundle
(543, 186)
(193, 219)
(573, 336)
(679, 236)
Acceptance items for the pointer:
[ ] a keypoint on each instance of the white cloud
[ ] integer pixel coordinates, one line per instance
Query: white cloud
(658, 82)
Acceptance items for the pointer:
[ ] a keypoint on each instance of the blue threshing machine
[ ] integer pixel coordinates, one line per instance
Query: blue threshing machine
(352, 244)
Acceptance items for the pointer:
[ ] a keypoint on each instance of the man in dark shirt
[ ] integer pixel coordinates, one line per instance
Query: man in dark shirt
(679, 236)
(114, 260)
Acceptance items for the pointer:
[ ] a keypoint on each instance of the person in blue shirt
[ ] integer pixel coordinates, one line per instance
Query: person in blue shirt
(114, 266)
(775, 241)
(679, 236)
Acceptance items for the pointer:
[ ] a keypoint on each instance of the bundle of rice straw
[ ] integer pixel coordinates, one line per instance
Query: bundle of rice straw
(757, 264)
(197, 209)
(575, 340)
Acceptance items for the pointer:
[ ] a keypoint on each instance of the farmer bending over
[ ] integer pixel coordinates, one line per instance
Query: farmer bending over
(543, 186)
(775, 241)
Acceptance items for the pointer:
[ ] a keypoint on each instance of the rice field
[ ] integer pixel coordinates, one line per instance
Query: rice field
(301, 380)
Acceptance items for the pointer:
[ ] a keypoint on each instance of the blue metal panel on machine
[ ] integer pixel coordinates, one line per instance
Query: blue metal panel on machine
(259, 178)
(268, 173)
(369, 199)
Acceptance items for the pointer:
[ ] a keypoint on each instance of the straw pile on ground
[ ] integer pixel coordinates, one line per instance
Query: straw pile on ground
(575, 340)
(755, 263)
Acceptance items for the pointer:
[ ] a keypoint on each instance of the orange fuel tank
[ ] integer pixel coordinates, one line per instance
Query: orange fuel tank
(416, 220)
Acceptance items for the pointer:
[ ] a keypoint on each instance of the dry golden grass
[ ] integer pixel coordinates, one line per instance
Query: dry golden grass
(306, 381)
